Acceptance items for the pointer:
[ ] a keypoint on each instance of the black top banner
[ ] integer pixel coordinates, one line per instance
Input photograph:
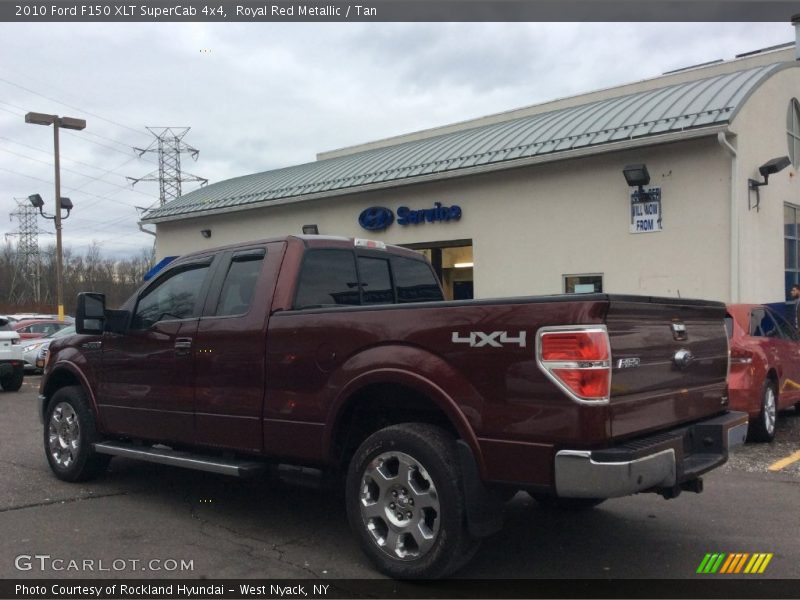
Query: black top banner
(399, 10)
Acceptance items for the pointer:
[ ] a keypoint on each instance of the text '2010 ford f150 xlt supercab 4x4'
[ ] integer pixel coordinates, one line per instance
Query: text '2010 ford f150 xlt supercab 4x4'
(342, 355)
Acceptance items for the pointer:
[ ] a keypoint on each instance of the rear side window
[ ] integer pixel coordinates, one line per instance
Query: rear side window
(5, 325)
(762, 325)
(240, 283)
(415, 281)
(172, 298)
(729, 325)
(376, 281)
(327, 277)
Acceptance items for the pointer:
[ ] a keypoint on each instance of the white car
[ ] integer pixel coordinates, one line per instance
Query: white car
(12, 369)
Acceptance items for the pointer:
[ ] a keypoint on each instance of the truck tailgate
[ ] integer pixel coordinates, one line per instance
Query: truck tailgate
(670, 362)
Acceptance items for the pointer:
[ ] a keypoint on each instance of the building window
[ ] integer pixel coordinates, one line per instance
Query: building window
(791, 246)
(793, 131)
(583, 284)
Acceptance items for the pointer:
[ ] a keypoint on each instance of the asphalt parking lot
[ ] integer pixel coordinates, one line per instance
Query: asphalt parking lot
(210, 526)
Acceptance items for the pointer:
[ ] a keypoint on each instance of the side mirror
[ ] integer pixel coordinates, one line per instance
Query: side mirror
(90, 313)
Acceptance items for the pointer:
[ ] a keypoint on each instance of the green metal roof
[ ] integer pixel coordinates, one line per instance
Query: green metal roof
(672, 109)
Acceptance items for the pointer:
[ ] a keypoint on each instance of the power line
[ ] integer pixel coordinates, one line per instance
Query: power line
(30, 91)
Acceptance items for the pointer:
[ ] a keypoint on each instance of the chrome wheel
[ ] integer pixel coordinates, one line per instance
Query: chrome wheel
(64, 435)
(399, 505)
(770, 410)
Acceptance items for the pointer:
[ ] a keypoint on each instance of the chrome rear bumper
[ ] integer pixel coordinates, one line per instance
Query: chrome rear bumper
(660, 463)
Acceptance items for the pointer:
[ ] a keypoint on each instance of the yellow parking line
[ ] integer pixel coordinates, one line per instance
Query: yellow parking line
(784, 462)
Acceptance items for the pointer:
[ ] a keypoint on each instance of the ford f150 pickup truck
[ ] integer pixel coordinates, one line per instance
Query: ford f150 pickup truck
(342, 355)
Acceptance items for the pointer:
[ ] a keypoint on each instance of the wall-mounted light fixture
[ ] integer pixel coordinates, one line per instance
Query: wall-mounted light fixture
(310, 229)
(768, 168)
(206, 233)
(464, 265)
(637, 176)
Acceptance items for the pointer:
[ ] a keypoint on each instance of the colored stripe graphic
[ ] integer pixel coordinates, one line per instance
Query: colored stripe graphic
(726, 566)
(712, 562)
(734, 563)
(767, 558)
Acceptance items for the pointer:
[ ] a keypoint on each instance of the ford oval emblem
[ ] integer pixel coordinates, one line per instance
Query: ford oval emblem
(376, 218)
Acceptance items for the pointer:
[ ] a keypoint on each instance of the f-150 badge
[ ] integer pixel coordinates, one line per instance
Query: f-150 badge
(495, 339)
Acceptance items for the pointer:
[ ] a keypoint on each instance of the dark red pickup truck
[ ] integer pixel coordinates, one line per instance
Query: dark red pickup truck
(341, 355)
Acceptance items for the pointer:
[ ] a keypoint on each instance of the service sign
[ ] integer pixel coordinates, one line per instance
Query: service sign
(646, 211)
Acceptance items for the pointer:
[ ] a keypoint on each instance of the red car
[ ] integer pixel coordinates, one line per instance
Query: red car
(29, 330)
(765, 366)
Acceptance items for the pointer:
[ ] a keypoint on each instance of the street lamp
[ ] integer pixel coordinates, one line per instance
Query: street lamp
(67, 123)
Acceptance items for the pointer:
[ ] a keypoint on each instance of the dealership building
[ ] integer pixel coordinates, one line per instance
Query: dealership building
(540, 200)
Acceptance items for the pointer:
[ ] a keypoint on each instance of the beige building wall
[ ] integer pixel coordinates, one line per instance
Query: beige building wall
(761, 135)
(531, 226)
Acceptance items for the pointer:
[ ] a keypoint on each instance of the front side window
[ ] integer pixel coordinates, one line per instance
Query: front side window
(787, 331)
(172, 298)
(327, 278)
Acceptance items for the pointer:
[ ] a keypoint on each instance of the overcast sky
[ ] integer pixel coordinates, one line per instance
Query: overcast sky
(261, 96)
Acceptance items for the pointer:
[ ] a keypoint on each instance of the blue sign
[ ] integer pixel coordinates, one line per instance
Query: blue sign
(406, 216)
(376, 218)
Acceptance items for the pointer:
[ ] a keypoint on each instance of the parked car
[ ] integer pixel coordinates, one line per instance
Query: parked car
(12, 371)
(765, 366)
(29, 330)
(33, 350)
(342, 355)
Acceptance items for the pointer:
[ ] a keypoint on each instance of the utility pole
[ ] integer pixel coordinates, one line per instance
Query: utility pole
(169, 146)
(28, 257)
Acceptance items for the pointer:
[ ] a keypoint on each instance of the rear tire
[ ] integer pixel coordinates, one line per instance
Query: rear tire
(12, 383)
(405, 503)
(558, 503)
(69, 432)
(762, 428)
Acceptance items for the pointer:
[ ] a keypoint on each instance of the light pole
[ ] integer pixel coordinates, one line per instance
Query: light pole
(67, 123)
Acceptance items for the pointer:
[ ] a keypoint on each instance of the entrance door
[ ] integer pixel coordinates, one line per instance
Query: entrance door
(453, 263)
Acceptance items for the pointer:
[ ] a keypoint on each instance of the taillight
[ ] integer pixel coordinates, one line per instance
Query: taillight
(577, 359)
(741, 357)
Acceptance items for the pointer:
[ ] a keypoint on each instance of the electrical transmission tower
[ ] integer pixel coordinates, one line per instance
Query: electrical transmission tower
(25, 279)
(169, 145)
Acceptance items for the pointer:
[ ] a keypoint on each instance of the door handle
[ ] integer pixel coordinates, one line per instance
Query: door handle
(183, 346)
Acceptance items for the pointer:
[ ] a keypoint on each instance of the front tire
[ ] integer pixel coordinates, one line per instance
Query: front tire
(13, 382)
(405, 504)
(762, 428)
(69, 433)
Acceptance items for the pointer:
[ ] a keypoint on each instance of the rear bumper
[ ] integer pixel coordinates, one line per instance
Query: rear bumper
(660, 463)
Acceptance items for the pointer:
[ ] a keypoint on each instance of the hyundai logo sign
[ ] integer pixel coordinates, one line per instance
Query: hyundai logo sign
(376, 218)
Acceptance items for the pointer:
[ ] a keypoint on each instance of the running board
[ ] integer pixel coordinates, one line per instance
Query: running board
(167, 456)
